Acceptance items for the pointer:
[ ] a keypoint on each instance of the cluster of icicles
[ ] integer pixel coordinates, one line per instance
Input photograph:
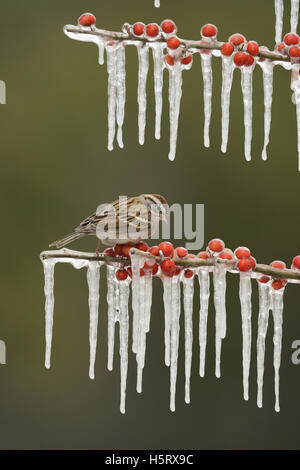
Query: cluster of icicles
(115, 51)
(157, 3)
(270, 299)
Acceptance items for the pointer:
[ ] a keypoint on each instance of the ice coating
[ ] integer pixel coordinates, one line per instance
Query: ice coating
(279, 20)
(188, 296)
(277, 309)
(112, 54)
(295, 85)
(264, 295)
(158, 59)
(123, 332)
(294, 15)
(143, 57)
(227, 76)
(175, 93)
(121, 92)
(157, 3)
(98, 40)
(204, 283)
(49, 265)
(246, 83)
(111, 314)
(167, 297)
(207, 94)
(175, 317)
(219, 276)
(246, 311)
(267, 68)
(93, 279)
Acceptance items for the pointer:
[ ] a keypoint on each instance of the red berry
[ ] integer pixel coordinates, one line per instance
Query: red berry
(294, 51)
(244, 265)
(138, 29)
(278, 264)
(154, 250)
(119, 249)
(252, 48)
(129, 271)
(237, 39)
(252, 262)
(191, 256)
(216, 245)
(203, 255)
(227, 48)
(280, 47)
(264, 279)
(142, 272)
(126, 249)
(188, 273)
(109, 252)
(296, 262)
(168, 26)
(225, 255)
(149, 264)
(173, 42)
(291, 39)
(249, 61)
(187, 60)
(142, 246)
(152, 30)
(240, 59)
(167, 249)
(209, 30)
(154, 269)
(279, 283)
(170, 60)
(181, 252)
(177, 271)
(242, 252)
(204, 51)
(87, 19)
(121, 274)
(168, 266)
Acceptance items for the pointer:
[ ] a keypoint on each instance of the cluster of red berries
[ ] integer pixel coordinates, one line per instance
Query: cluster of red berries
(290, 46)
(153, 31)
(244, 52)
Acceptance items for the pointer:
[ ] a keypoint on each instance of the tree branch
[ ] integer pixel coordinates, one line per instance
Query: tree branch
(188, 44)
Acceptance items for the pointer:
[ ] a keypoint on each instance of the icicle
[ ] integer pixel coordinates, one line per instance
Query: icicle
(93, 279)
(143, 55)
(141, 335)
(227, 75)
(157, 3)
(264, 307)
(204, 282)
(247, 98)
(277, 309)
(294, 15)
(121, 92)
(207, 94)
(124, 327)
(167, 285)
(98, 40)
(295, 86)
(174, 338)
(246, 311)
(279, 20)
(158, 59)
(219, 275)
(188, 295)
(267, 68)
(111, 314)
(49, 265)
(175, 93)
(112, 56)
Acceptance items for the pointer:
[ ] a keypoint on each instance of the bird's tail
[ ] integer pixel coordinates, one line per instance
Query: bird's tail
(66, 240)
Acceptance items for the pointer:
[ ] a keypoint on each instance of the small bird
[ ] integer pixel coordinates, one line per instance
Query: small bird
(139, 214)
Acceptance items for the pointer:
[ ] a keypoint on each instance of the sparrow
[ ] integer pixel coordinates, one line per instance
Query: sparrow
(139, 214)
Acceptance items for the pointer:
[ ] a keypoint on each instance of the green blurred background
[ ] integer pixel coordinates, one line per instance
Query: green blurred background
(55, 170)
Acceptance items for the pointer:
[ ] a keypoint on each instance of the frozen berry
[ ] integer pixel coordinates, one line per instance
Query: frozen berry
(280, 47)
(252, 262)
(167, 249)
(170, 60)
(237, 39)
(227, 48)
(177, 271)
(244, 265)
(294, 51)
(252, 48)
(138, 29)
(181, 252)
(188, 273)
(173, 42)
(291, 39)
(249, 60)
(168, 26)
(87, 19)
(209, 30)
(168, 266)
(187, 59)
(109, 252)
(278, 264)
(296, 262)
(225, 255)
(203, 255)
(154, 250)
(119, 249)
(240, 59)
(126, 249)
(149, 264)
(152, 30)
(142, 272)
(264, 279)
(242, 252)
(279, 284)
(154, 269)
(142, 246)
(216, 245)
(121, 274)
